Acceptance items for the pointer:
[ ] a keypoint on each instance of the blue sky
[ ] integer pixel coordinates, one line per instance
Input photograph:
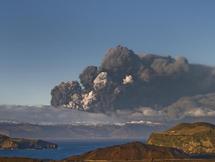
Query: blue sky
(44, 42)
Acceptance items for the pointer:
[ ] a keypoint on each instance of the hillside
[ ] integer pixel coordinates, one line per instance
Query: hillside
(194, 138)
(20, 143)
(131, 151)
(20, 159)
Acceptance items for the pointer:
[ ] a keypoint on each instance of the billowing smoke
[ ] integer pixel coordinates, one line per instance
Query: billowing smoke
(125, 80)
(63, 93)
(87, 76)
(119, 62)
(170, 66)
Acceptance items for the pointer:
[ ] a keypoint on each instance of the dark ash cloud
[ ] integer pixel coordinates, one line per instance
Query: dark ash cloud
(128, 81)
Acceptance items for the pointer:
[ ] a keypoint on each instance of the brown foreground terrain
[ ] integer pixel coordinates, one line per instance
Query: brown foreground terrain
(16, 159)
(131, 151)
(2, 159)
(135, 152)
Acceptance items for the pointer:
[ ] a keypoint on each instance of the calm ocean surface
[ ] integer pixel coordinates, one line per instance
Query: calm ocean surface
(65, 148)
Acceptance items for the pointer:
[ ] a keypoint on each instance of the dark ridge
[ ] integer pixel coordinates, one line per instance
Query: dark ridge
(131, 151)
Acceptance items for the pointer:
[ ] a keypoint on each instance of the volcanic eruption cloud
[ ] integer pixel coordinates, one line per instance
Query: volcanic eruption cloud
(127, 81)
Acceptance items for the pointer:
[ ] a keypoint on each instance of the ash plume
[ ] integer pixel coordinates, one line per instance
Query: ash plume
(120, 61)
(128, 81)
(62, 93)
(87, 76)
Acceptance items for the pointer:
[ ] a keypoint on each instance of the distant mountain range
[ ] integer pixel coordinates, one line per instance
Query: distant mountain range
(50, 122)
(186, 109)
(129, 130)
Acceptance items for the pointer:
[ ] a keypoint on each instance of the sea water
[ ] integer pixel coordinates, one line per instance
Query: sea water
(65, 148)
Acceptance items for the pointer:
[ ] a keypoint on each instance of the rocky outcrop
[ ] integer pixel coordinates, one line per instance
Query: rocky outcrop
(195, 138)
(131, 151)
(19, 143)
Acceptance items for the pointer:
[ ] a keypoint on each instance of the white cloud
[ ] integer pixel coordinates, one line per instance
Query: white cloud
(200, 112)
(148, 111)
(48, 115)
